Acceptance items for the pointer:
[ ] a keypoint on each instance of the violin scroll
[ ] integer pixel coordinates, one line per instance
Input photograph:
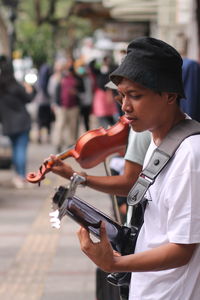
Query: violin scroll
(40, 175)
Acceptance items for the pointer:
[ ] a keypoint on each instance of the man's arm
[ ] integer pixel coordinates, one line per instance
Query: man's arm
(115, 185)
(119, 184)
(164, 257)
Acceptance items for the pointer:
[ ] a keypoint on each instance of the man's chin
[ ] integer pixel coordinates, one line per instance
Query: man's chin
(136, 128)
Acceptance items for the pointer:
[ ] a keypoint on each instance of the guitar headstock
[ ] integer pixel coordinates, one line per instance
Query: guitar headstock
(57, 204)
(61, 197)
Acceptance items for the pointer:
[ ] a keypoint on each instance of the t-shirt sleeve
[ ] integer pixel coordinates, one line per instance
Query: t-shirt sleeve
(137, 146)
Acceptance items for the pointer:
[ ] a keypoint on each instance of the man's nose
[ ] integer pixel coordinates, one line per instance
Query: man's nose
(126, 105)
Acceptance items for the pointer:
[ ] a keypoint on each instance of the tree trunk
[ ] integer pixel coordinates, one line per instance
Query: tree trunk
(4, 41)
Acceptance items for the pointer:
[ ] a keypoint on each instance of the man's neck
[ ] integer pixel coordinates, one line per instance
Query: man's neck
(159, 134)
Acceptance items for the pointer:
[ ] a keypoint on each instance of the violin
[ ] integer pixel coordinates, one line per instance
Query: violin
(91, 148)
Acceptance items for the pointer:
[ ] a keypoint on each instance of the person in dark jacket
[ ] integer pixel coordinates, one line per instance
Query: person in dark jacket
(191, 81)
(15, 119)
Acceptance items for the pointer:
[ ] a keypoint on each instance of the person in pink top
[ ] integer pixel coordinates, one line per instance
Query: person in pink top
(104, 106)
(67, 111)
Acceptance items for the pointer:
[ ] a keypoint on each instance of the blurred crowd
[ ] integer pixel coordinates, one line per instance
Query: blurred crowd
(69, 94)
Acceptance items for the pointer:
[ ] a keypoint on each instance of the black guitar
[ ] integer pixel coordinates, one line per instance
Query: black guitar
(122, 238)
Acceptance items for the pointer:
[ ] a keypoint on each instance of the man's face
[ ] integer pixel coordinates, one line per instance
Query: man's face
(146, 109)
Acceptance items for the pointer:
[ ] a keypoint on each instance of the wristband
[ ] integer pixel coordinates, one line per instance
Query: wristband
(84, 174)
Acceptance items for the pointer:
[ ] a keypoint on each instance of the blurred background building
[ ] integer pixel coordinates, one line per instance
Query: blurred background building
(175, 21)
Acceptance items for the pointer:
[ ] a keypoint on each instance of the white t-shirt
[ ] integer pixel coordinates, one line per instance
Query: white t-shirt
(172, 215)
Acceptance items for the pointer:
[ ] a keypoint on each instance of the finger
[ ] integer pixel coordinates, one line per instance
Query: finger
(51, 157)
(79, 232)
(54, 161)
(115, 253)
(82, 234)
(84, 239)
(103, 233)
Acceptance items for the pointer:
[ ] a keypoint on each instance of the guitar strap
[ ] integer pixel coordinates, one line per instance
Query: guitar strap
(160, 158)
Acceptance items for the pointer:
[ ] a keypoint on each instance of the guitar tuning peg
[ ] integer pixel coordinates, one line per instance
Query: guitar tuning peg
(54, 220)
(56, 225)
(54, 214)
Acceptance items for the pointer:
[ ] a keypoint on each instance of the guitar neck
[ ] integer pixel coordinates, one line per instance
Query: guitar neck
(90, 217)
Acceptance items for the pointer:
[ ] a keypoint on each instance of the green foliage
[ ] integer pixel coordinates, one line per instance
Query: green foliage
(82, 26)
(35, 42)
(71, 32)
(41, 35)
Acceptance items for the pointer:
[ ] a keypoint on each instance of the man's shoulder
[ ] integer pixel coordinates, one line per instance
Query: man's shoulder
(190, 147)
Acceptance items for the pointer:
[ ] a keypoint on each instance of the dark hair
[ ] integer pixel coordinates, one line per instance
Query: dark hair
(6, 73)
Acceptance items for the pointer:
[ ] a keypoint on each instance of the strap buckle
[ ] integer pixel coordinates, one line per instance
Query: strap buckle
(139, 189)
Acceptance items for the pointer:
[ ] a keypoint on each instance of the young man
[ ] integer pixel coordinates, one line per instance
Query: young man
(165, 264)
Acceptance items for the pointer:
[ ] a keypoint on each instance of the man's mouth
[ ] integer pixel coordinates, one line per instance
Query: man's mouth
(131, 119)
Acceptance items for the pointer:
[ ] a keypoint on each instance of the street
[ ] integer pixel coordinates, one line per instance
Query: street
(38, 262)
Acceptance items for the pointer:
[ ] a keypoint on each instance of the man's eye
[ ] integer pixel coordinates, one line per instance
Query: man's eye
(135, 97)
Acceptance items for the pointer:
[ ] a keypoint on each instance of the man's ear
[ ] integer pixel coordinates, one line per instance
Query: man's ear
(172, 97)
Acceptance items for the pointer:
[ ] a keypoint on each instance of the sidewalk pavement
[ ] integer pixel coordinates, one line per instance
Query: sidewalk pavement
(38, 262)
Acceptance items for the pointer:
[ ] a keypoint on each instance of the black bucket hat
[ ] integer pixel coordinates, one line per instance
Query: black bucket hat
(152, 63)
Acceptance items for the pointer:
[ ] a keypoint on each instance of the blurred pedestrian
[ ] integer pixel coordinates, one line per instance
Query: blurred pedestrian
(15, 119)
(55, 79)
(104, 106)
(45, 115)
(68, 110)
(85, 93)
(191, 82)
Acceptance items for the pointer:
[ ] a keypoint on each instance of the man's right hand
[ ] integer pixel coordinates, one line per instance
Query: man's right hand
(60, 168)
